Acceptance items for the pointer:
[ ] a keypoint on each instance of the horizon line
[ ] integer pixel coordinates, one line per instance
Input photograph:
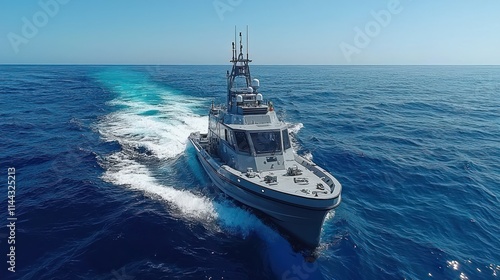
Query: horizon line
(141, 64)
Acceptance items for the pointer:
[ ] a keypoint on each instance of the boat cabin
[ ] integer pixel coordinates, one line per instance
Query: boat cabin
(246, 134)
(262, 146)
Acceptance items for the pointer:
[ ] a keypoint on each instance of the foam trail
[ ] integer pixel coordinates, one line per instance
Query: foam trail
(130, 173)
(295, 127)
(308, 156)
(229, 218)
(162, 129)
(165, 136)
(155, 118)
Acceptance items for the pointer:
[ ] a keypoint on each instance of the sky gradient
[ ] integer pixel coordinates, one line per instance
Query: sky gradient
(327, 32)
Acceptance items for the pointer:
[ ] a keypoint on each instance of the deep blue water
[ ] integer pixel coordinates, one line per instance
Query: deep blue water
(107, 188)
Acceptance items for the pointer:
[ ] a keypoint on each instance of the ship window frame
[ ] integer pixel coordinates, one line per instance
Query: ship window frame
(261, 147)
(239, 141)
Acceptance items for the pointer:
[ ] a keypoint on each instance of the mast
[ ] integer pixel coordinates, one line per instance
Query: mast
(240, 69)
(234, 43)
(247, 41)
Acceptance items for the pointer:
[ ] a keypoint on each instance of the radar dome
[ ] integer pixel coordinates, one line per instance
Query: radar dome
(255, 83)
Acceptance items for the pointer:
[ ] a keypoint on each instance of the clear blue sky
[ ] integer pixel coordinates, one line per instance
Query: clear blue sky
(281, 32)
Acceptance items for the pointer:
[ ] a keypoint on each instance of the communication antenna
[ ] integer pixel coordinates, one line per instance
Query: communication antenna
(233, 51)
(241, 45)
(235, 55)
(247, 42)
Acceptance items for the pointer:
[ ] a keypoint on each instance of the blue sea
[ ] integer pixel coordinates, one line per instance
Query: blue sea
(107, 187)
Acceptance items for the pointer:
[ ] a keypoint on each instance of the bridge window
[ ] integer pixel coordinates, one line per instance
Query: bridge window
(242, 142)
(286, 140)
(266, 142)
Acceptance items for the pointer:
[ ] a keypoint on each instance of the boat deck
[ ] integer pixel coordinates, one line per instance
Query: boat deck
(312, 182)
(306, 184)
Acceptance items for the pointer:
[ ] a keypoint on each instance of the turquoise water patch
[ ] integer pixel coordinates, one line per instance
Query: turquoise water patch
(150, 113)
(133, 86)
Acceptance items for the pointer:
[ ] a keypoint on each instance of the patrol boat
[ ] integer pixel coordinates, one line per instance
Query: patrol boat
(248, 155)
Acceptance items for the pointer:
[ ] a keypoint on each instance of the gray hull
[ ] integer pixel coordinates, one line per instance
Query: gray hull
(301, 218)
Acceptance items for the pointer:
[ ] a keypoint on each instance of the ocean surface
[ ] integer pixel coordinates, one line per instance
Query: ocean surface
(108, 188)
